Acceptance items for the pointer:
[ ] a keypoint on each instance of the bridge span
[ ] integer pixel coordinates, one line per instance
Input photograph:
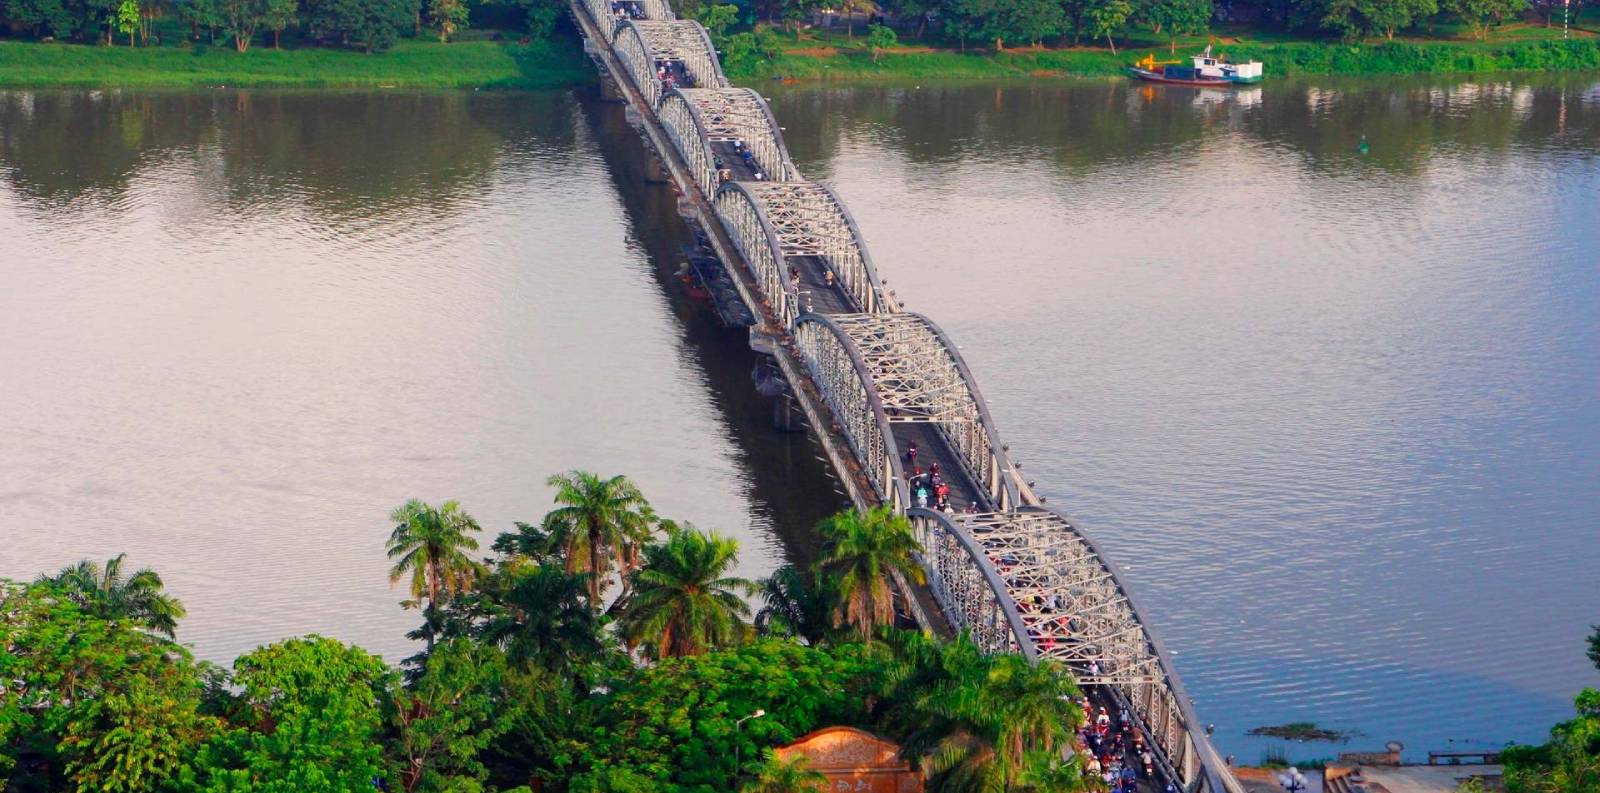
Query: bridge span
(885, 391)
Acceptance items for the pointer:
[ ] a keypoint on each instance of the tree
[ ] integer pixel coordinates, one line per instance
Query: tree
(684, 602)
(1106, 17)
(1481, 15)
(716, 18)
(794, 775)
(107, 594)
(920, 10)
(879, 38)
(430, 544)
(674, 721)
(199, 14)
(601, 523)
(449, 716)
(311, 712)
(1594, 646)
(127, 19)
(1176, 18)
(984, 722)
(750, 52)
(864, 552)
(372, 25)
(241, 19)
(796, 603)
(40, 18)
(450, 15)
(140, 735)
(1357, 19)
(90, 703)
(1568, 763)
(539, 616)
(277, 15)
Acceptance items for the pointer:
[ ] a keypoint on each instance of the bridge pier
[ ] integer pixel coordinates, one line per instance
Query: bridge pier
(609, 90)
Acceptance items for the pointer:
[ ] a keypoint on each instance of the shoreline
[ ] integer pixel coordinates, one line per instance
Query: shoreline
(412, 64)
(1281, 60)
(560, 63)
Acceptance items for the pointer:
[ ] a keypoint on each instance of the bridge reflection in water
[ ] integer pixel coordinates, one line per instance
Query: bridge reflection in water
(876, 382)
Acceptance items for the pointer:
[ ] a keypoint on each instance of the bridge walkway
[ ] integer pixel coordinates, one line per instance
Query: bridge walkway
(915, 387)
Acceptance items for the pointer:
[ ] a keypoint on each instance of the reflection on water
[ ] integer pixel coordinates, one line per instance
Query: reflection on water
(238, 328)
(1335, 414)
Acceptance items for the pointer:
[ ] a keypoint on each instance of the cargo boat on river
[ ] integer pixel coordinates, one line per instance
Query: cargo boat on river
(1205, 71)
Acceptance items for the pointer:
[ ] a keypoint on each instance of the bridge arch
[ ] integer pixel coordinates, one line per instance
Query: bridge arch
(917, 375)
(641, 44)
(604, 19)
(697, 119)
(911, 373)
(842, 377)
(1085, 617)
(792, 219)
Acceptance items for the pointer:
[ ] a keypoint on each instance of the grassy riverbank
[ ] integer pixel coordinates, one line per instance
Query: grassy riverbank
(838, 58)
(411, 64)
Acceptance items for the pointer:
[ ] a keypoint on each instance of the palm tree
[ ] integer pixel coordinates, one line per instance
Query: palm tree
(540, 616)
(794, 775)
(430, 544)
(599, 521)
(684, 603)
(107, 594)
(796, 603)
(985, 722)
(863, 552)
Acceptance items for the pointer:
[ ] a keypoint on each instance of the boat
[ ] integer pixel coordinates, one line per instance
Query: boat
(1205, 70)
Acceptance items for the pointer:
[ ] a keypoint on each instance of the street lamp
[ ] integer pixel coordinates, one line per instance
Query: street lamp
(1292, 780)
(737, 772)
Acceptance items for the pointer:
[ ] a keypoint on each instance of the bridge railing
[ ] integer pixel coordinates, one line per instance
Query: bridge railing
(1027, 580)
(697, 118)
(973, 590)
(640, 45)
(846, 386)
(798, 218)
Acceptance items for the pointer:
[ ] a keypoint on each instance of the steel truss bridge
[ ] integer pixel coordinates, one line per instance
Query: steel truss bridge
(874, 381)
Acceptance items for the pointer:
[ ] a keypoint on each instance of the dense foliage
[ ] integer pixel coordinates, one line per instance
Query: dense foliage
(364, 25)
(1006, 25)
(1570, 761)
(601, 649)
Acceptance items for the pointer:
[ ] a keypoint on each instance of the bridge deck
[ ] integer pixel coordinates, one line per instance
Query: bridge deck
(922, 376)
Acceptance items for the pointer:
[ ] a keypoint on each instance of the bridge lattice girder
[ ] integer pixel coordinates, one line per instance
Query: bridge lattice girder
(600, 12)
(1029, 580)
(696, 118)
(918, 376)
(842, 378)
(795, 219)
(872, 373)
(910, 372)
(642, 43)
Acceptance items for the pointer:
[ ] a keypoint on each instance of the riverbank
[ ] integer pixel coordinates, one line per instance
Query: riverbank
(840, 60)
(411, 64)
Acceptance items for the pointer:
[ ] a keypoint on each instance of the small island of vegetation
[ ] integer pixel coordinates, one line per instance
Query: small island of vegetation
(1300, 731)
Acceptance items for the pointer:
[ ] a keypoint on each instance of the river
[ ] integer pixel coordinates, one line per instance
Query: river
(1333, 412)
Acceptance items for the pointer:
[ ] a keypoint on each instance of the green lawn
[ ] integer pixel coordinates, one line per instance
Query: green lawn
(411, 64)
(829, 55)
